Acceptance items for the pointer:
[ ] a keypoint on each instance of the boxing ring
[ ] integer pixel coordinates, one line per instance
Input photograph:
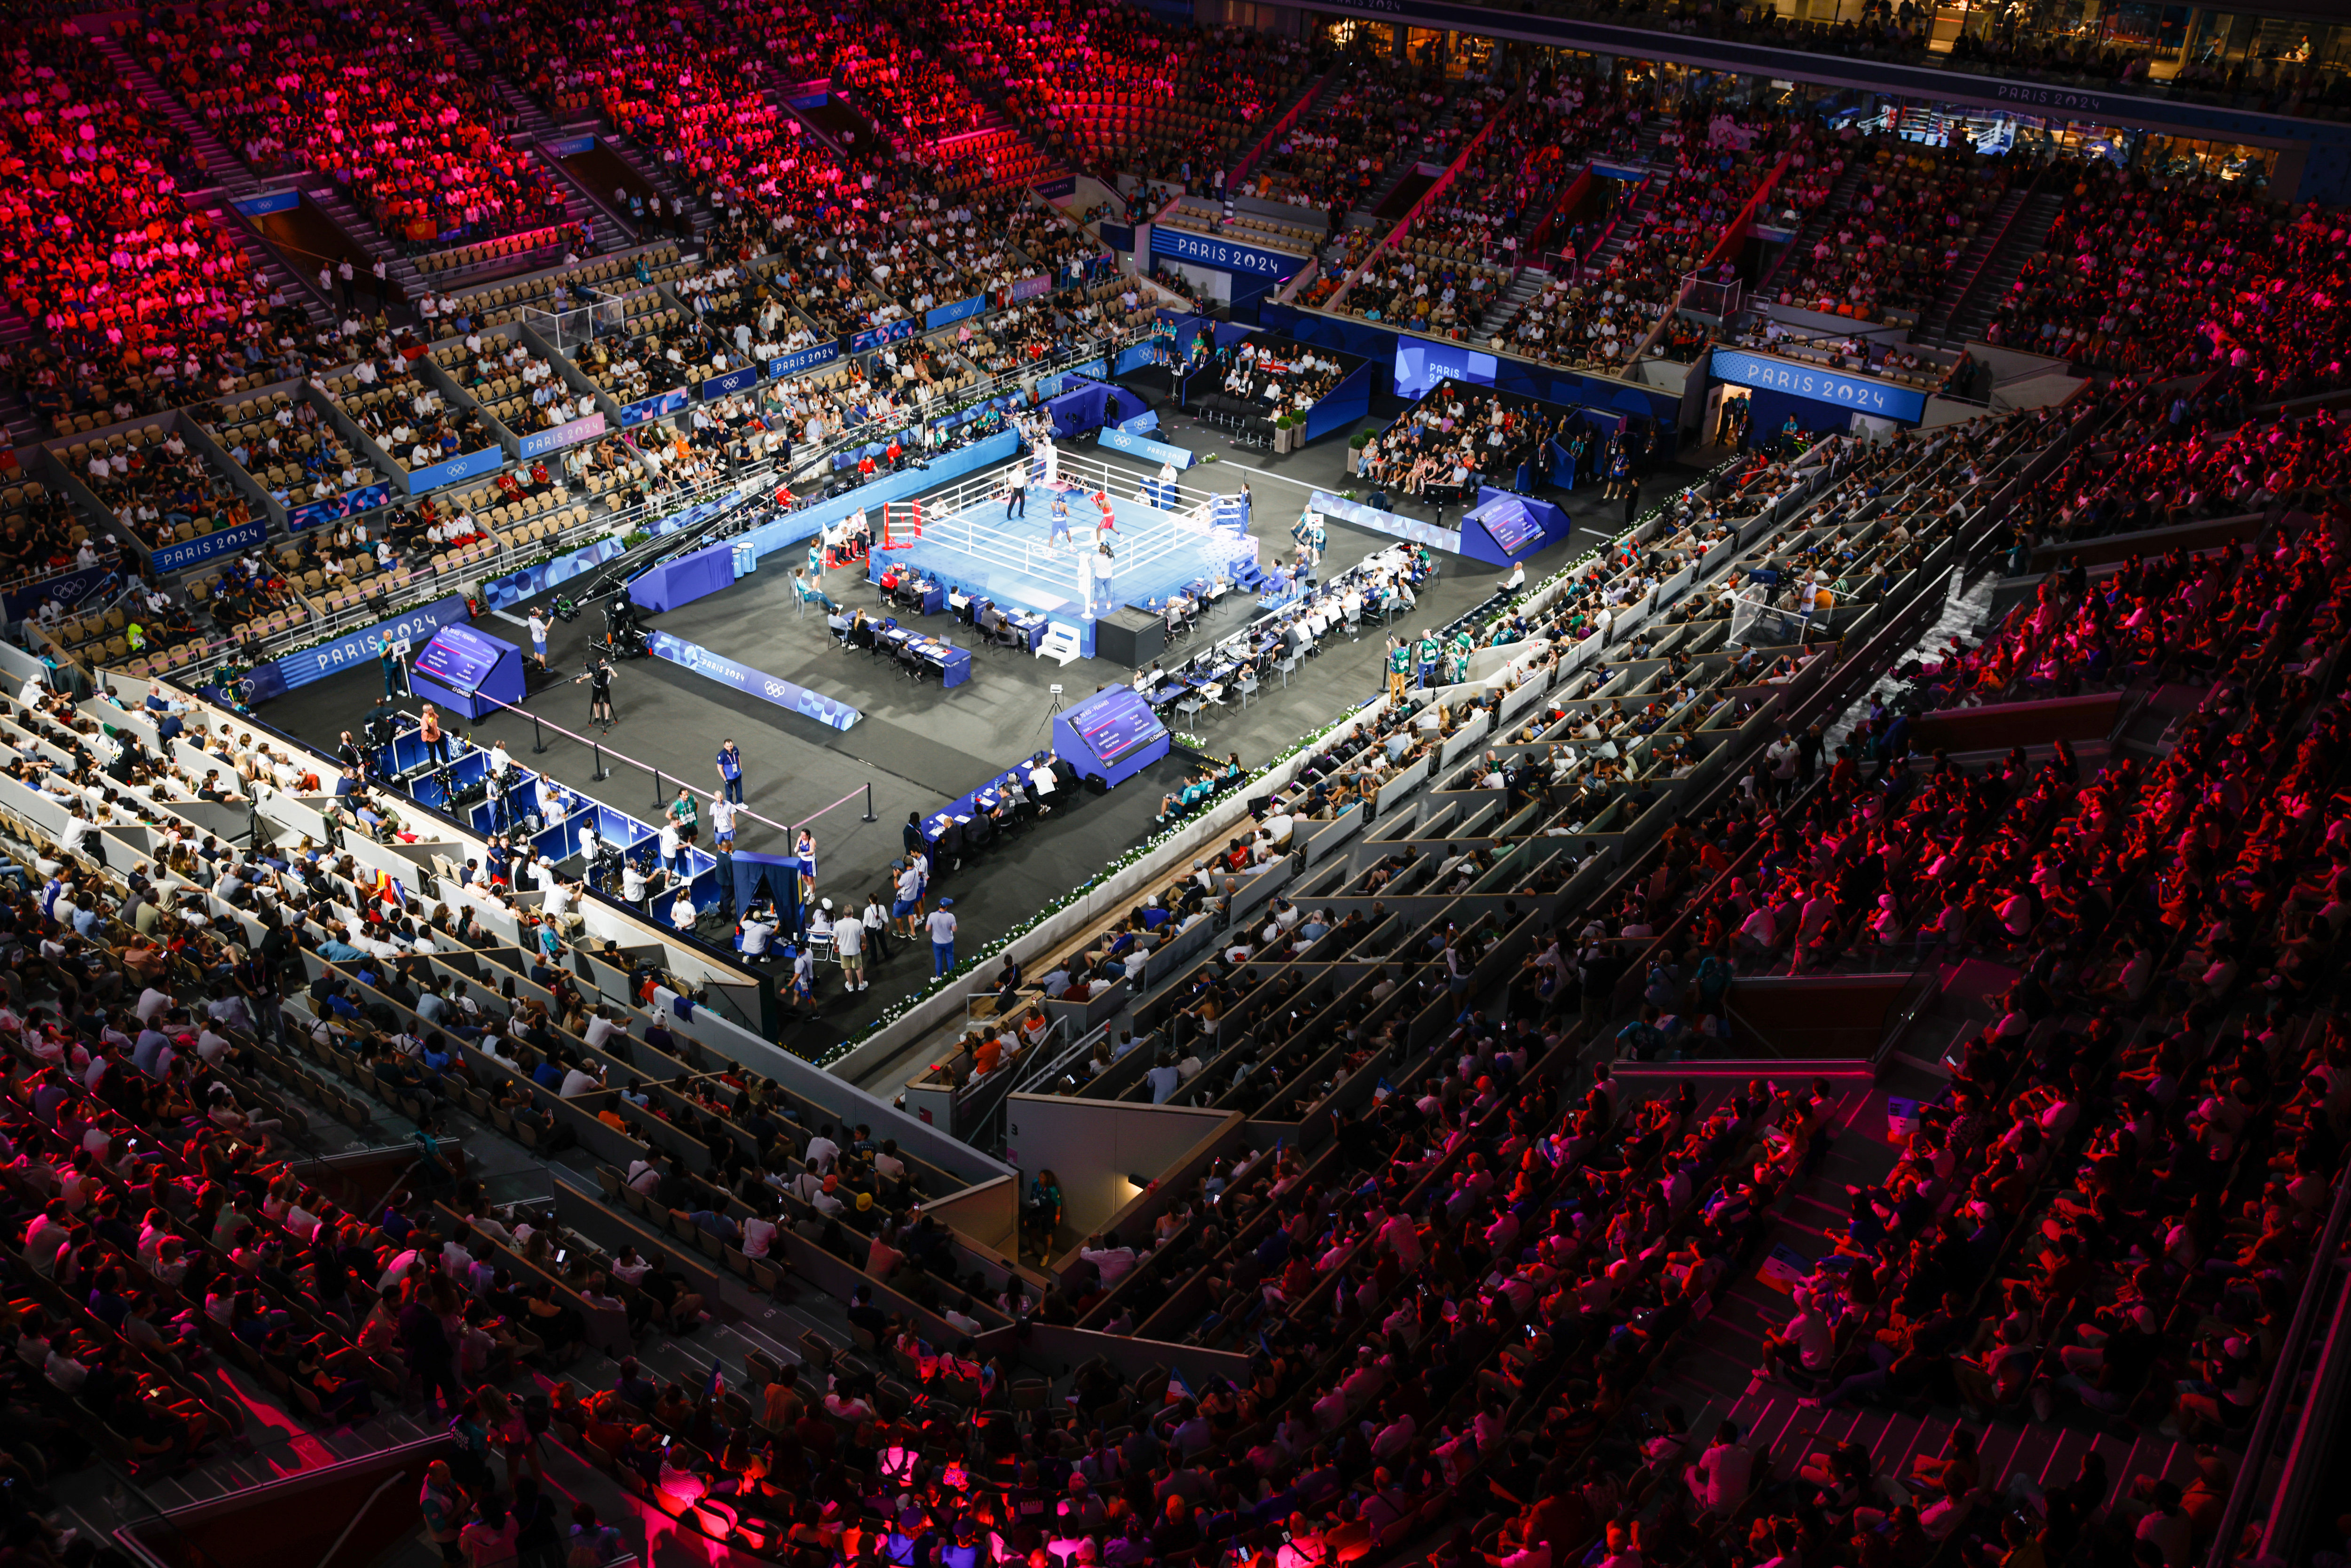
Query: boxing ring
(1164, 538)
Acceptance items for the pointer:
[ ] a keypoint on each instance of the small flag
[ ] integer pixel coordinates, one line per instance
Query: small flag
(1901, 1120)
(1784, 1270)
(717, 1376)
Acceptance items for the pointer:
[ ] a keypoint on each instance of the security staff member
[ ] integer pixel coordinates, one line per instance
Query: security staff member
(1399, 668)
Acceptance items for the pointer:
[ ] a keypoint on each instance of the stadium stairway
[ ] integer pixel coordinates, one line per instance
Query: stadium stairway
(1626, 224)
(1819, 223)
(329, 198)
(1971, 312)
(649, 168)
(1530, 282)
(1937, 314)
(222, 169)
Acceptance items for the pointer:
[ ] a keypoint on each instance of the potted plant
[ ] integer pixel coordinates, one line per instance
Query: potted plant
(1285, 434)
(1355, 445)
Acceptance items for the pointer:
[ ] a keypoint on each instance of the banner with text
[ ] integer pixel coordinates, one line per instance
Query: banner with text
(792, 364)
(1821, 385)
(540, 443)
(1207, 250)
(308, 664)
(173, 558)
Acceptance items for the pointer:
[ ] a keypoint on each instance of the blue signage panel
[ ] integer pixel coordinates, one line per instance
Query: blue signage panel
(472, 466)
(1857, 392)
(731, 382)
(538, 443)
(270, 202)
(568, 146)
(334, 508)
(874, 337)
(1118, 236)
(299, 669)
(67, 588)
(784, 365)
(670, 401)
(753, 683)
(1207, 250)
(948, 315)
(1142, 446)
(502, 593)
(1066, 185)
(172, 558)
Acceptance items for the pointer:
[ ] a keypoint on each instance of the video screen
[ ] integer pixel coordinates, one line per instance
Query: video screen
(1115, 722)
(458, 658)
(1513, 527)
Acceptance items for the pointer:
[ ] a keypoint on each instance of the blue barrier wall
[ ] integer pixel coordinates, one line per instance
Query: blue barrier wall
(472, 466)
(1342, 405)
(500, 592)
(540, 443)
(308, 664)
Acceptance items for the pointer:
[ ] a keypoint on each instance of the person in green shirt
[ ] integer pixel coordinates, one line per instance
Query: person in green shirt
(1456, 658)
(685, 811)
(1399, 669)
(1424, 655)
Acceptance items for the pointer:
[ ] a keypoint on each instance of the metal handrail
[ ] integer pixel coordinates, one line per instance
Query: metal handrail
(2253, 1477)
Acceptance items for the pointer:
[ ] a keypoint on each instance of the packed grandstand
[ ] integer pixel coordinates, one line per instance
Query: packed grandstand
(1729, 955)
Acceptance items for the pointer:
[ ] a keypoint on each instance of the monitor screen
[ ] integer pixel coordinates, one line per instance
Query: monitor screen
(459, 658)
(1115, 724)
(1514, 528)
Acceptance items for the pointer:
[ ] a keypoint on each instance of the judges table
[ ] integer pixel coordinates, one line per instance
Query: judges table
(1025, 624)
(921, 595)
(953, 663)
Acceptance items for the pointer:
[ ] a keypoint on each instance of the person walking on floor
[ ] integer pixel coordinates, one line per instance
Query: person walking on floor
(942, 925)
(539, 631)
(730, 771)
